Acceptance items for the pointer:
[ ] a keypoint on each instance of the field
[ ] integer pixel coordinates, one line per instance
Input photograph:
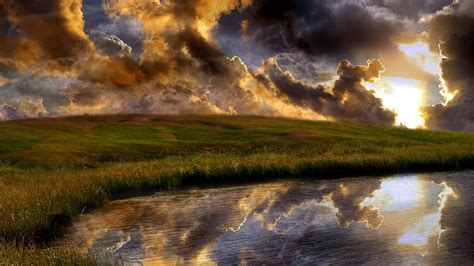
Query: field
(51, 169)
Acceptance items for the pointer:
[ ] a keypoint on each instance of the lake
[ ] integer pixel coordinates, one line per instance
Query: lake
(417, 219)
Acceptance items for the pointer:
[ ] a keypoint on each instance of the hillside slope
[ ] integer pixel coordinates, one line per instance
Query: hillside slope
(52, 168)
(89, 141)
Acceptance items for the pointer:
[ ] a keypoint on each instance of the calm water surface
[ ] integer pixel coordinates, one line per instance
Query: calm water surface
(413, 219)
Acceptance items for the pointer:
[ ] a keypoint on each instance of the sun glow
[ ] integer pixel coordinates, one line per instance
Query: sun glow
(402, 95)
(405, 95)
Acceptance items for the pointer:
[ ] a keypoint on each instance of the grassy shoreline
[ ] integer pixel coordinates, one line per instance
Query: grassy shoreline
(52, 168)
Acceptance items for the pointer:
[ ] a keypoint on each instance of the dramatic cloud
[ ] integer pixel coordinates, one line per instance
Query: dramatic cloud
(347, 100)
(283, 222)
(310, 38)
(452, 32)
(44, 32)
(194, 228)
(347, 198)
(180, 68)
(353, 30)
(335, 28)
(413, 9)
(456, 236)
(322, 27)
(286, 58)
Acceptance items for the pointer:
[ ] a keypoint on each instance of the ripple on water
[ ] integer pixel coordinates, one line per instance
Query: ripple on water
(403, 219)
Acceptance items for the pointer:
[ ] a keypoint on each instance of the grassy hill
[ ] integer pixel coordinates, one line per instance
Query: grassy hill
(51, 168)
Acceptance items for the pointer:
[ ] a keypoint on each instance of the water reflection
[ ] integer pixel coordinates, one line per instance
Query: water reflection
(409, 219)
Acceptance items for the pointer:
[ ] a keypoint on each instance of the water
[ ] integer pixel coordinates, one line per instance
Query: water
(413, 219)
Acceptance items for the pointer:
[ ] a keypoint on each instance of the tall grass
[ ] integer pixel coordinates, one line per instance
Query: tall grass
(48, 256)
(87, 160)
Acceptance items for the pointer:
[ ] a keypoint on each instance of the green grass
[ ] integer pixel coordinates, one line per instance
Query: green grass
(51, 168)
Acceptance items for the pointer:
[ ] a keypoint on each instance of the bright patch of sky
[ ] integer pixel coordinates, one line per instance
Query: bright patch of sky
(125, 28)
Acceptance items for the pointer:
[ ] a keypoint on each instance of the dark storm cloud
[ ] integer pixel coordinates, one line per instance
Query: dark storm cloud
(319, 34)
(306, 69)
(347, 100)
(457, 19)
(336, 27)
(452, 32)
(457, 234)
(322, 27)
(457, 207)
(210, 58)
(180, 67)
(413, 9)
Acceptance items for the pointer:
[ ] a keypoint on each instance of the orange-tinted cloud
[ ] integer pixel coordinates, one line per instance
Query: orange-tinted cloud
(181, 69)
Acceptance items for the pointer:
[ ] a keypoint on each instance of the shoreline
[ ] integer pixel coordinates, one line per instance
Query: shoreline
(51, 169)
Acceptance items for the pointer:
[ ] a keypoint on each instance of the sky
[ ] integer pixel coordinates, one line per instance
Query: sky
(382, 62)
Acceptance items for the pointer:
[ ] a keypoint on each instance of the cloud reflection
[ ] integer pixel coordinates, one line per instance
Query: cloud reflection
(363, 219)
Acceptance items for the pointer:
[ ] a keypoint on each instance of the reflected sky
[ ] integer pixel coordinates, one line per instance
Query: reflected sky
(404, 219)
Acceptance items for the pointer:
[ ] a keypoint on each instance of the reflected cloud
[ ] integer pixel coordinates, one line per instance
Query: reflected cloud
(404, 218)
(418, 236)
(456, 213)
(391, 196)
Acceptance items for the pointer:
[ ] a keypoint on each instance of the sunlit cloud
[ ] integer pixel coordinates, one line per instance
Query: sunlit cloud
(175, 57)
